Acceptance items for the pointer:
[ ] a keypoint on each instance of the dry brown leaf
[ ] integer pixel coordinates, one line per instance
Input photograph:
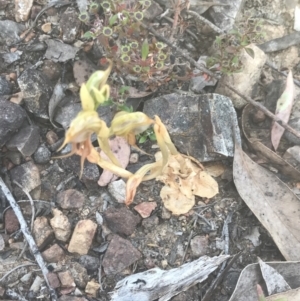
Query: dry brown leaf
(271, 200)
(291, 295)
(184, 179)
(215, 169)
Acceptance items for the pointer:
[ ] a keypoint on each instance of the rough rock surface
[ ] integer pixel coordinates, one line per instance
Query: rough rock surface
(42, 232)
(11, 119)
(121, 221)
(119, 255)
(25, 141)
(28, 176)
(37, 91)
(60, 225)
(70, 199)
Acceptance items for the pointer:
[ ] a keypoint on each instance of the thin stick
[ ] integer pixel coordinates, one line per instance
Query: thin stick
(16, 268)
(32, 245)
(203, 69)
(211, 25)
(31, 204)
(175, 21)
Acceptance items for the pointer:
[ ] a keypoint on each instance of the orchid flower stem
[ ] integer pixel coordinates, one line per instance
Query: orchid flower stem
(119, 171)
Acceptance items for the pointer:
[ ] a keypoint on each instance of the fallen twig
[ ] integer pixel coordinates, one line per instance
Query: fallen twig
(31, 243)
(16, 268)
(203, 69)
(211, 25)
(219, 278)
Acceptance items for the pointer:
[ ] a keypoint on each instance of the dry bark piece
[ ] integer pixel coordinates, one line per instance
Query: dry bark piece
(163, 285)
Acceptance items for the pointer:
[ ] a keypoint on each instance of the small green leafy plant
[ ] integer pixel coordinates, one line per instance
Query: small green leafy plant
(229, 47)
(117, 25)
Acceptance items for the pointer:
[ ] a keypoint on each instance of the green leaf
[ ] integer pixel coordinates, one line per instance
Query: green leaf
(125, 108)
(145, 49)
(235, 60)
(152, 137)
(107, 103)
(142, 139)
(218, 40)
(113, 19)
(88, 35)
(124, 89)
(250, 51)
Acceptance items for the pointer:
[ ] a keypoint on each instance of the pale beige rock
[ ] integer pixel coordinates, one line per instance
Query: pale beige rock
(286, 59)
(66, 279)
(92, 287)
(82, 237)
(243, 81)
(60, 225)
(54, 254)
(22, 9)
(46, 27)
(42, 232)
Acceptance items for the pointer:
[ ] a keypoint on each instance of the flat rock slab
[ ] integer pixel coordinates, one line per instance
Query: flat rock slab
(119, 255)
(11, 118)
(199, 125)
(121, 221)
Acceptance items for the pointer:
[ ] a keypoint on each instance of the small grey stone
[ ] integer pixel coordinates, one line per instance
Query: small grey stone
(91, 263)
(11, 119)
(5, 86)
(118, 190)
(42, 155)
(37, 90)
(9, 31)
(199, 245)
(70, 199)
(25, 141)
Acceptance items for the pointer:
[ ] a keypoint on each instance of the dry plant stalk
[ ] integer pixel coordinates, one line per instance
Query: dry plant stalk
(127, 125)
